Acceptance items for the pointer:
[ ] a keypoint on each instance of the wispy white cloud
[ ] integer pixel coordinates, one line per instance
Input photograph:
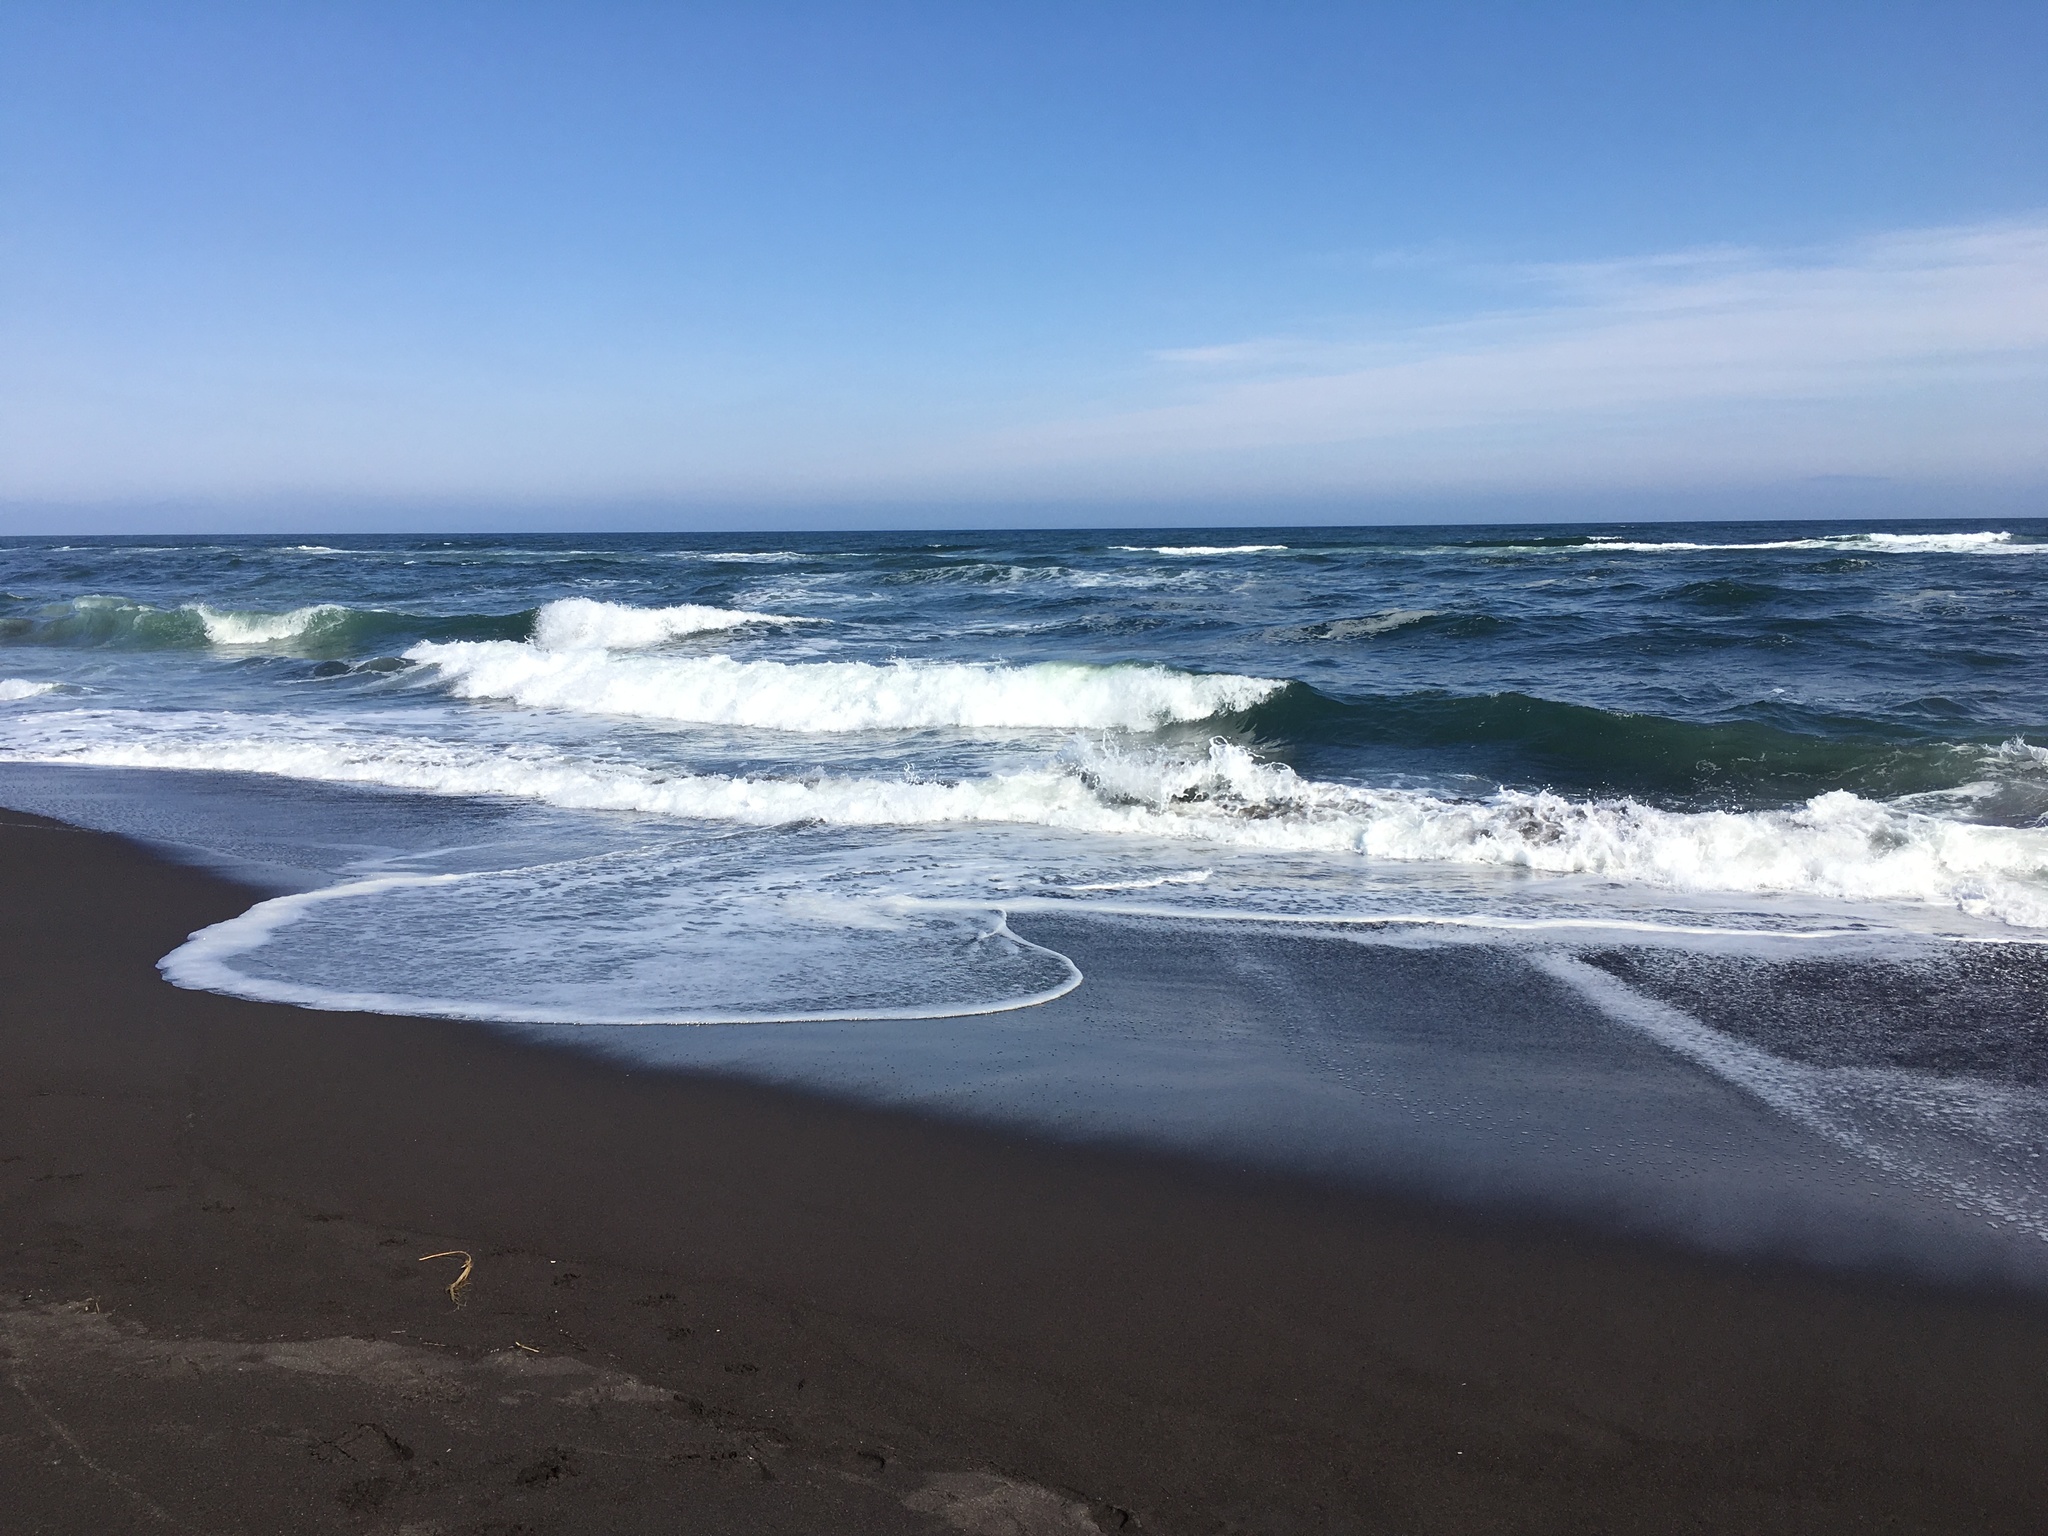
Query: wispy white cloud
(1919, 355)
(1925, 350)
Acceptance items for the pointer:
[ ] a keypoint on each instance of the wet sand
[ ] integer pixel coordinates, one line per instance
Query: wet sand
(702, 1303)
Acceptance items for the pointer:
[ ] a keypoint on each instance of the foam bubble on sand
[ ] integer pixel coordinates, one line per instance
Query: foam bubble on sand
(839, 696)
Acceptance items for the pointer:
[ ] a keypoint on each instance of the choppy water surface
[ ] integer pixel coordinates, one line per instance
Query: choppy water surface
(721, 778)
(844, 741)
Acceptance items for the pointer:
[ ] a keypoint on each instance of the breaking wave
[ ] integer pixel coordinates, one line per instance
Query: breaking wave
(1986, 543)
(840, 696)
(119, 623)
(1835, 845)
(12, 688)
(576, 623)
(1199, 549)
(582, 623)
(225, 627)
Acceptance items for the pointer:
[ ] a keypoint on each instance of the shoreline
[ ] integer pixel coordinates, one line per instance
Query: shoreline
(757, 1308)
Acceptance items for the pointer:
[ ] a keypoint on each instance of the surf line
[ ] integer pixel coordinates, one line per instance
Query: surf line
(1811, 1096)
(1481, 920)
(201, 964)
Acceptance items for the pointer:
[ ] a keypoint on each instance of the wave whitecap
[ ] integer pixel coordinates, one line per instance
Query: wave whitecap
(1836, 845)
(1995, 543)
(839, 696)
(1193, 550)
(99, 620)
(227, 627)
(12, 688)
(583, 623)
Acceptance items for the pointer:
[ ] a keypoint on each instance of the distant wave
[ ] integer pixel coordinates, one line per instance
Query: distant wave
(569, 624)
(1836, 845)
(1199, 549)
(12, 688)
(839, 696)
(1364, 626)
(576, 623)
(119, 623)
(1987, 543)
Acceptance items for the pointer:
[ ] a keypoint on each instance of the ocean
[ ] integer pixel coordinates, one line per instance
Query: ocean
(865, 779)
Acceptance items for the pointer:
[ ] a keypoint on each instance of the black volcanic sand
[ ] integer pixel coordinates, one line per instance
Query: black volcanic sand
(1967, 1008)
(701, 1305)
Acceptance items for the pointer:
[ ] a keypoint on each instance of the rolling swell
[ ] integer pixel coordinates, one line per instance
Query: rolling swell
(322, 629)
(1405, 622)
(1521, 739)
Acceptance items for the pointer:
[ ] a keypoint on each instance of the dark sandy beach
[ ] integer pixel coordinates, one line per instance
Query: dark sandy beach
(705, 1305)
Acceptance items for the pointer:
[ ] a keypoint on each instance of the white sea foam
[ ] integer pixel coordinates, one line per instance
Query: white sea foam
(1154, 883)
(582, 623)
(838, 696)
(12, 688)
(1989, 543)
(1948, 543)
(1199, 549)
(230, 628)
(752, 956)
(1836, 846)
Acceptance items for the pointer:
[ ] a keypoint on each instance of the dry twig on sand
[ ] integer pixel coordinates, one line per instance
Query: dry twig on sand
(468, 1264)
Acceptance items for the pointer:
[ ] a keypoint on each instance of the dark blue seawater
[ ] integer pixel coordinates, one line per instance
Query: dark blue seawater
(1762, 726)
(1722, 665)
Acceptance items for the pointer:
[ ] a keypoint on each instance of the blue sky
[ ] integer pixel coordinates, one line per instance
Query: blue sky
(360, 264)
